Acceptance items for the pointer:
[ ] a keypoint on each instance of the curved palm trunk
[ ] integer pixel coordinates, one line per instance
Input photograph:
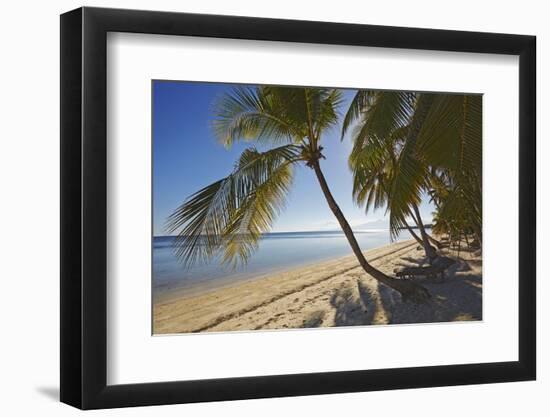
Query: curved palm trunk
(413, 234)
(428, 248)
(435, 241)
(407, 289)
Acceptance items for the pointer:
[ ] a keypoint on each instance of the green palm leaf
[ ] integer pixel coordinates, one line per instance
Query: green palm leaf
(275, 114)
(249, 114)
(361, 100)
(410, 176)
(388, 112)
(230, 215)
(451, 140)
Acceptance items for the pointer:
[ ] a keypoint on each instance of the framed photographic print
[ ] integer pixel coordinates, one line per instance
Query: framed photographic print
(257, 208)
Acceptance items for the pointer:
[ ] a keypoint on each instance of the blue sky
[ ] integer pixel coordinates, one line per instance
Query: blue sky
(187, 157)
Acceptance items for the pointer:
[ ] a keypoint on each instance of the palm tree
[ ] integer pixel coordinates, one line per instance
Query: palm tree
(451, 143)
(372, 177)
(231, 214)
(434, 143)
(380, 141)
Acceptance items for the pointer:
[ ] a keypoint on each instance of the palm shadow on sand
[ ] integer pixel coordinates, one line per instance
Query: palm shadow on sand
(410, 261)
(363, 307)
(458, 298)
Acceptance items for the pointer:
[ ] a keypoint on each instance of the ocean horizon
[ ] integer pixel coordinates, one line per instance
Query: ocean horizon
(277, 252)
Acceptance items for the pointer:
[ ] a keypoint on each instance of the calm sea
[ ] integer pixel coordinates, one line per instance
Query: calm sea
(277, 252)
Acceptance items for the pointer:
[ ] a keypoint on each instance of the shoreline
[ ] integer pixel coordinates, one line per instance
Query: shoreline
(330, 293)
(205, 287)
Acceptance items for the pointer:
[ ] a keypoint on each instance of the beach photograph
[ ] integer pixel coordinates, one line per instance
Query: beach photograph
(292, 207)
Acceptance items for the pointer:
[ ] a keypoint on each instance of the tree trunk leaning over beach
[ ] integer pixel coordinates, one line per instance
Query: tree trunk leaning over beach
(430, 250)
(407, 289)
(436, 242)
(413, 234)
(418, 239)
(384, 136)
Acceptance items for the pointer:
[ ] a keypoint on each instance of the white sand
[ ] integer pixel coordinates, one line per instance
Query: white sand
(332, 293)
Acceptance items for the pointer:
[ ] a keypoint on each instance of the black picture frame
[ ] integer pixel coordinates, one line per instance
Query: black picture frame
(84, 207)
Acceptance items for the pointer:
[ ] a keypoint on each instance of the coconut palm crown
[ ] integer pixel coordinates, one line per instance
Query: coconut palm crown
(231, 214)
(409, 144)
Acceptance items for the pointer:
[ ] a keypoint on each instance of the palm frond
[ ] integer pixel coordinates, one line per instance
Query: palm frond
(275, 114)
(410, 176)
(384, 124)
(451, 139)
(361, 100)
(451, 134)
(228, 216)
(408, 145)
(324, 107)
(388, 112)
(248, 113)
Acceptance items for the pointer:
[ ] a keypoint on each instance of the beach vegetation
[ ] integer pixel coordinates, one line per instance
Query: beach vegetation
(408, 146)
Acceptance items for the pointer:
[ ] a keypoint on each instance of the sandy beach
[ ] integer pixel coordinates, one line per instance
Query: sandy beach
(328, 294)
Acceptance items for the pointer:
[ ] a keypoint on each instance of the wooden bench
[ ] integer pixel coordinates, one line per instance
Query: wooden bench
(421, 271)
(431, 271)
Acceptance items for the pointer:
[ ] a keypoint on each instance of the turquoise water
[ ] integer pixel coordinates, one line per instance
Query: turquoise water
(277, 252)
